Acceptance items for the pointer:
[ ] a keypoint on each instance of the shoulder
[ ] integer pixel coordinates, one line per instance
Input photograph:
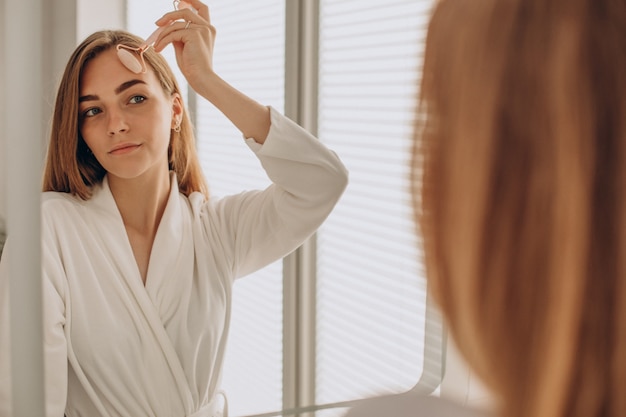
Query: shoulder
(100, 200)
(59, 196)
(412, 405)
(60, 212)
(52, 200)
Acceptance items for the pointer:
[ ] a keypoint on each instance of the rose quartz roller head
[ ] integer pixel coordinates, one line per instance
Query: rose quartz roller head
(132, 57)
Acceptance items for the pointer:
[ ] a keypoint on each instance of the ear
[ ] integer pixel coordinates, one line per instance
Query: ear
(177, 108)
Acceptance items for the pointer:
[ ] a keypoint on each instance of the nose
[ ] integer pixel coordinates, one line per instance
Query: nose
(116, 122)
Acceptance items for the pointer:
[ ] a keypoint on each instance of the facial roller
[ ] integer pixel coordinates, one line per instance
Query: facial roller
(132, 57)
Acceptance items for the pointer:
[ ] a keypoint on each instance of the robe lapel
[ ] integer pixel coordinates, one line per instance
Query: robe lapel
(160, 263)
(170, 249)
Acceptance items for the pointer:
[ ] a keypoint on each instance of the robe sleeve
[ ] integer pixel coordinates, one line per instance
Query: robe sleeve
(308, 179)
(55, 346)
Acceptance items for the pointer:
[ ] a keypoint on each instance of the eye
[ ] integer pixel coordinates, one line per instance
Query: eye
(91, 112)
(137, 99)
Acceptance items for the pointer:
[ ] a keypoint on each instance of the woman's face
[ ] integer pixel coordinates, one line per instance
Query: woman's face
(126, 118)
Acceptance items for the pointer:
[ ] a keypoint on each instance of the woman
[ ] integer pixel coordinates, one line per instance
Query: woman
(138, 262)
(523, 202)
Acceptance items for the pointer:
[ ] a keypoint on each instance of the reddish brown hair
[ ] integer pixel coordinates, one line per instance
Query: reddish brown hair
(520, 187)
(70, 167)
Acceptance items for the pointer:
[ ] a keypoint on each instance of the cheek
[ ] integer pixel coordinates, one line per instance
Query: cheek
(164, 128)
(87, 136)
(96, 146)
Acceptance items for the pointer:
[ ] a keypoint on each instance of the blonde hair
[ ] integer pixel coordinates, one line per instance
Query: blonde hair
(519, 171)
(70, 166)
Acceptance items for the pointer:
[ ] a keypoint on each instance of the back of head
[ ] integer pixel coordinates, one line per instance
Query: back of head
(522, 157)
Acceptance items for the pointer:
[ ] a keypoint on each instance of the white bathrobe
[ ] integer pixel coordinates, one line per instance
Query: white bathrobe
(116, 348)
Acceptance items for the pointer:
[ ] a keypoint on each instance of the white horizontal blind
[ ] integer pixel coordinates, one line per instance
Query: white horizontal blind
(249, 53)
(371, 289)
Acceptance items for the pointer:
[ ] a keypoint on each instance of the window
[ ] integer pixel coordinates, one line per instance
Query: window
(346, 316)
(249, 54)
(370, 283)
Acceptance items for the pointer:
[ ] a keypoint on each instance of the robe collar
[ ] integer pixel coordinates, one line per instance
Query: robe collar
(168, 236)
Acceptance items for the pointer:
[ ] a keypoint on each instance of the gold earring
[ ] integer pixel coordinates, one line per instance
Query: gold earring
(177, 128)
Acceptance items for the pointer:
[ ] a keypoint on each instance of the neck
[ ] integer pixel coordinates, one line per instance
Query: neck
(141, 201)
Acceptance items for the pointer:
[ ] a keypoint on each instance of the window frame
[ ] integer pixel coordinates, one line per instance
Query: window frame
(299, 268)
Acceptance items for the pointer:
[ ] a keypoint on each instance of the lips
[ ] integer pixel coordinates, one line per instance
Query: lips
(124, 148)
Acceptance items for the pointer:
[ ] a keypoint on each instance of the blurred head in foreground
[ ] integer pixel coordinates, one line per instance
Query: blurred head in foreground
(519, 185)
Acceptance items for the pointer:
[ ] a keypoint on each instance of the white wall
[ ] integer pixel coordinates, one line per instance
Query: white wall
(96, 15)
(2, 125)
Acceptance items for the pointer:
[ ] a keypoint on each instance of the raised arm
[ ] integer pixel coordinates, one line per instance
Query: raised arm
(193, 39)
(308, 179)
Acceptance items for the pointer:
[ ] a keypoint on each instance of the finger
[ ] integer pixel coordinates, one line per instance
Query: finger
(182, 4)
(183, 14)
(165, 35)
(179, 32)
(203, 9)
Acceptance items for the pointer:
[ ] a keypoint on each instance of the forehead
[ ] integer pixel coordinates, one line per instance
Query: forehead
(105, 73)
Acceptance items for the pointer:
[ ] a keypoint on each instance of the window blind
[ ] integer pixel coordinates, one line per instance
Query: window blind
(249, 53)
(371, 292)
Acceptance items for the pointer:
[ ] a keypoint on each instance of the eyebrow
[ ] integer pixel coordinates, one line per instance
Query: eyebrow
(124, 86)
